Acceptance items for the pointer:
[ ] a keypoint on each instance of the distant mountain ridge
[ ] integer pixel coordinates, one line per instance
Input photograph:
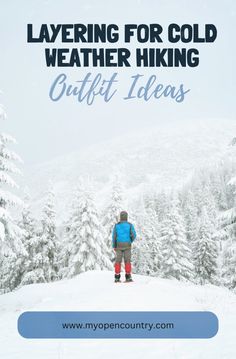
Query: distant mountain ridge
(162, 157)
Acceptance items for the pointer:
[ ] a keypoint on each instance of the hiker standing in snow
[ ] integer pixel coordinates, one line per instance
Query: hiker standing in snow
(122, 236)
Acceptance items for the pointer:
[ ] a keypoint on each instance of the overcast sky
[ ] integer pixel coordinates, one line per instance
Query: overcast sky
(45, 129)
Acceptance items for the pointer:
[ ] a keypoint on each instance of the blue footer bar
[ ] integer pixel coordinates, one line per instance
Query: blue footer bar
(118, 324)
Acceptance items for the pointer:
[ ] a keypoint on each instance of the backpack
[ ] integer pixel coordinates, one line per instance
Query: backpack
(130, 233)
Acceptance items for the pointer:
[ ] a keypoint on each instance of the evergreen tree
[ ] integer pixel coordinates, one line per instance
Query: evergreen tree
(150, 199)
(65, 252)
(141, 257)
(228, 218)
(49, 241)
(88, 248)
(177, 254)
(228, 222)
(11, 247)
(190, 211)
(32, 270)
(206, 251)
(70, 232)
(111, 213)
(229, 263)
(162, 205)
(151, 236)
(219, 188)
(141, 262)
(205, 198)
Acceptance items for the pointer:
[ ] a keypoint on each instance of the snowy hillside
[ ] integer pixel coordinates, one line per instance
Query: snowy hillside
(163, 157)
(96, 291)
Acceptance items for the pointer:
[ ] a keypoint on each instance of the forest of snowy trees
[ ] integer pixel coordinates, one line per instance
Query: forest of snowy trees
(188, 233)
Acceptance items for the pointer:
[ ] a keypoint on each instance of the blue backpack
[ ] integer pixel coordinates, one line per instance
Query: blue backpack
(130, 233)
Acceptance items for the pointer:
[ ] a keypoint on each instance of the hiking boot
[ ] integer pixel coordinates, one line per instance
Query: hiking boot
(128, 277)
(117, 278)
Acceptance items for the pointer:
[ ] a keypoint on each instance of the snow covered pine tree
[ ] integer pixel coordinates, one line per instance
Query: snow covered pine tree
(177, 255)
(228, 220)
(31, 266)
(88, 247)
(112, 211)
(48, 238)
(206, 250)
(11, 247)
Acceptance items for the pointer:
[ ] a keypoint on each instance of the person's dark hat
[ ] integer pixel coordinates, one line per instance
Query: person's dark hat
(123, 216)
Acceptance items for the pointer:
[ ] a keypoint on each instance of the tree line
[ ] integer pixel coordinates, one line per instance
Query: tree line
(187, 233)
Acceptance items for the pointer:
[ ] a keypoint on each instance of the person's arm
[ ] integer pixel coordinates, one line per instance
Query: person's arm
(134, 235)
(113, 237)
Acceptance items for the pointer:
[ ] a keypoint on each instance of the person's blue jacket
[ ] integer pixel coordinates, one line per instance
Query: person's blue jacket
(123, 232)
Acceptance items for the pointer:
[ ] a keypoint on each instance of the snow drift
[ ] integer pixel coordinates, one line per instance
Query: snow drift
(95, 290)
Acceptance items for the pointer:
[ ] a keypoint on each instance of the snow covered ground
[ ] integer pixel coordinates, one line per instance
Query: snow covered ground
(95, 290)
